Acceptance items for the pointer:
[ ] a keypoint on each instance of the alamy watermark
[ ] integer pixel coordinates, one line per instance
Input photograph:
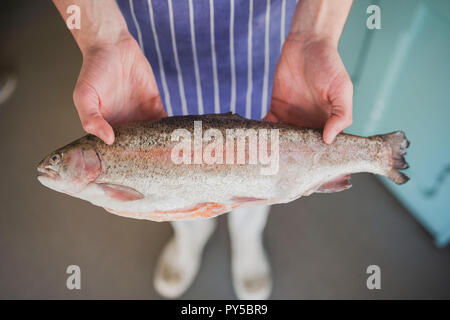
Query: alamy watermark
(74, 280)
(374, 280)
(73, 21)
(238, 147)
(374, 20)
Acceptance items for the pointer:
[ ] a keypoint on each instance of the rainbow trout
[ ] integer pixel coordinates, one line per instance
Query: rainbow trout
(202, 166)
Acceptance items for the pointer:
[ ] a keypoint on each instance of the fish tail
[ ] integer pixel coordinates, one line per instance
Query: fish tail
(398, 143)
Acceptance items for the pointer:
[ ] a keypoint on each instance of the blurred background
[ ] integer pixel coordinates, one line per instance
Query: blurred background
(320, 246)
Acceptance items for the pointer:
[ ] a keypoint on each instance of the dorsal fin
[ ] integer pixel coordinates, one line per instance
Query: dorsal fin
(224, 115)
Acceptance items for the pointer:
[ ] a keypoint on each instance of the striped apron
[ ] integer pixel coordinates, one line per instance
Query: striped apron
(211, 56)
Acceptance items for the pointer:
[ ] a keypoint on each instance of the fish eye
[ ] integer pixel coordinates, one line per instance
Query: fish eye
(55, 159)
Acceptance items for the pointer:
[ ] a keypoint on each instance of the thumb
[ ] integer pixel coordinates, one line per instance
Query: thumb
(341, 99)
(95, 124)
(334, 125)
(87, 104)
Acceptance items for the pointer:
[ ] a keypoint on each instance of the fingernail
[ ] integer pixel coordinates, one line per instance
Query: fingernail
(104, 136)
(329, 138)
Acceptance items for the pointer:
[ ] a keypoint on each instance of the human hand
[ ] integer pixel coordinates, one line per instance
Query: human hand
(116, 84)
(311, 87)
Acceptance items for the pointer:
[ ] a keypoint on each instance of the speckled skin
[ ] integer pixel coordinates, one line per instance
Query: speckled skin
(140, 158)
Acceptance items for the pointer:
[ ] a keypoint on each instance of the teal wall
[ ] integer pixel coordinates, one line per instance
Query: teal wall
(401, 78)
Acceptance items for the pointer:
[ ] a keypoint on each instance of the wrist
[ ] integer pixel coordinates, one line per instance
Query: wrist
(101, 23)
(320, 20)
(307, 38)
(102, 40)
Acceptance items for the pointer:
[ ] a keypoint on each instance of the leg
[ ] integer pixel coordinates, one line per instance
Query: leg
(249, 265)
(180, 259)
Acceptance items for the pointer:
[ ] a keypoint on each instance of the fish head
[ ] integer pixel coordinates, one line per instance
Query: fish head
(71, 168)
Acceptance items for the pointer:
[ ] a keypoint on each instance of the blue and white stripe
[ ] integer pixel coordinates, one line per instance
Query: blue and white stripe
(211, 56)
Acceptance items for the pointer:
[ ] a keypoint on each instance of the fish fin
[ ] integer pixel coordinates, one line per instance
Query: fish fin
(243, 200)
(200, 210)
(398, 144)
(338, 184)
(224, 115)
(206, 210)
(118, 192)
(109, 210)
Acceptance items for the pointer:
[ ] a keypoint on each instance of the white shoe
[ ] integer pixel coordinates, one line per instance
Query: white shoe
(250, 270)
(180, 259)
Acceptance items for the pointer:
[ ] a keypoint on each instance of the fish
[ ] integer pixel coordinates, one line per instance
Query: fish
(191, 167)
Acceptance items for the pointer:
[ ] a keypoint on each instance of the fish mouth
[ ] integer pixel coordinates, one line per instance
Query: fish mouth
(47, 172)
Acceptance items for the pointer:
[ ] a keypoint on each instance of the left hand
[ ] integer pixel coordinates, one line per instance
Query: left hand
(311, 87)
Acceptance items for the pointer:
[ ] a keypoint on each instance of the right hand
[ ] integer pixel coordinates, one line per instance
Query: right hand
(116, 84)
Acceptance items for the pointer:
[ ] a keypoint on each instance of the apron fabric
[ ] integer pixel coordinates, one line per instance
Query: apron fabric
(211, 56)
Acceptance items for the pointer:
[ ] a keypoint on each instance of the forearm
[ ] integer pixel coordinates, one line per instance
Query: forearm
(101, 24)
(320, 19)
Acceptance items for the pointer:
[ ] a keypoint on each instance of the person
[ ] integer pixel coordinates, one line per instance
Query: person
(150, 59)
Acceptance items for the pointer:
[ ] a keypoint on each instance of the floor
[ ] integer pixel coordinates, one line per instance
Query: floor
(320, 246)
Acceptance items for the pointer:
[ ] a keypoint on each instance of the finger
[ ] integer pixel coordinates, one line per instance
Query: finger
(270, 117)
(153, 109)
(87, 104)
(335, 124)
(341, 116)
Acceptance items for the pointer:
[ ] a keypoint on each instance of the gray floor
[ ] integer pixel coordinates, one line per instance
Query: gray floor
(320, 246)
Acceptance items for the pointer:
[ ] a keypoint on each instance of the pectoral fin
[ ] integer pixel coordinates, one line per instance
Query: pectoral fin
(339, 184)
(121, 193)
